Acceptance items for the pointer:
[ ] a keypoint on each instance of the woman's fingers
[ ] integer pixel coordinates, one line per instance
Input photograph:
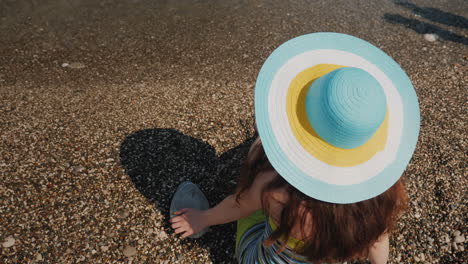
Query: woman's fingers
(184, 222)
(176, 219)
(183, 231)
(179, 217)
(176, 225)
(179, 230)
(181, 227)
(181, 211)
(186, 234)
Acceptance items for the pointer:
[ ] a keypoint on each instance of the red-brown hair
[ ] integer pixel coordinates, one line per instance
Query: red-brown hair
(340, 232)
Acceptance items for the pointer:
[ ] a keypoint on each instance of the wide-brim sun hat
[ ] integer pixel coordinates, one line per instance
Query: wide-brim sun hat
(338, 118)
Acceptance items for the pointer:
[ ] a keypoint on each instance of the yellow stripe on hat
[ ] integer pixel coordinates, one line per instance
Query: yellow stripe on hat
(308, 138)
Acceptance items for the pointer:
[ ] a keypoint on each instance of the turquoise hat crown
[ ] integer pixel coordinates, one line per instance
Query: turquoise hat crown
(346, 107)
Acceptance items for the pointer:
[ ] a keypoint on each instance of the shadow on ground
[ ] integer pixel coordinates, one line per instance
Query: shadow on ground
(433, 14)
(158, 160)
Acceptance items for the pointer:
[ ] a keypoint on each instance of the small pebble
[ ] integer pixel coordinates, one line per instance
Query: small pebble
(398, 258)
(104, 248)
(447, 239)
(431, 240)
(65, 64)
(430, 37)
(162, 235)
(124, 213)
(129, 251)
(422, 257)
(9, 242)
(149, 231)
(78, 169)
(39, 257)
(459, 239)
(76, 65)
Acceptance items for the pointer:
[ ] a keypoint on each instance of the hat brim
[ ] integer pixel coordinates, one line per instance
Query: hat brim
(305, 172)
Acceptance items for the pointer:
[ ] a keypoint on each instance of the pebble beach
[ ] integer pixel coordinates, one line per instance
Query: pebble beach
(107, 106)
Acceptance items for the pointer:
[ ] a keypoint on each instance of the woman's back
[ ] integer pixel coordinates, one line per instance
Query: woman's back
(327, 232)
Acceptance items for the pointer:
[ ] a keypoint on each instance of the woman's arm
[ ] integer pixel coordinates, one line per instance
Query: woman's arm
(378, 253)
(191, 221)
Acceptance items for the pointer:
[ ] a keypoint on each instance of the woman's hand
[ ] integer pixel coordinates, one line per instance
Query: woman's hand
(188, 221)
(191, 221)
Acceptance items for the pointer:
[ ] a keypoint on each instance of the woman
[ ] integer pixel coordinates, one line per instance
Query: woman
(338, 121)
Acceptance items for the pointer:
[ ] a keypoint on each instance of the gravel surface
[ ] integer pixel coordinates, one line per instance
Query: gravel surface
(106, 106)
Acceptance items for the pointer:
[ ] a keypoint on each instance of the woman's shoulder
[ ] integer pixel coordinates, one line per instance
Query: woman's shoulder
(266, 176)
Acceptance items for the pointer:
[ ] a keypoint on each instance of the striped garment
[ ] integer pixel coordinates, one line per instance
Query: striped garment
(251, 250)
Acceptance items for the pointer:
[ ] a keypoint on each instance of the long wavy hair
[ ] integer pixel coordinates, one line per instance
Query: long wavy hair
(340, 232)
